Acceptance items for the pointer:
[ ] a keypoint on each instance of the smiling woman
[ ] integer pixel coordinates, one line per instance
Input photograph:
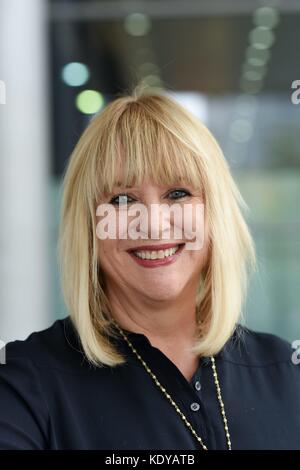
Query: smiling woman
(152, 354)
(152, 146)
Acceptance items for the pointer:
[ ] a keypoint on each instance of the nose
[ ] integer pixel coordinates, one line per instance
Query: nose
(157, 221)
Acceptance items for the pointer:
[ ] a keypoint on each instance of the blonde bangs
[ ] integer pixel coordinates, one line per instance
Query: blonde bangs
(145, 149)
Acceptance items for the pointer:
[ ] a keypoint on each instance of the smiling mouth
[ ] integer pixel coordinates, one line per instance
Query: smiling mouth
(157, 254)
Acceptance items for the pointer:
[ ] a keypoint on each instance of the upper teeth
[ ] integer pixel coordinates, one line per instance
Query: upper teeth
(156, 254)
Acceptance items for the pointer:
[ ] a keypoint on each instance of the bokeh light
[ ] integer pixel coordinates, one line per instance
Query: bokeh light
(89, 101)
(75, 74)
(137, 24)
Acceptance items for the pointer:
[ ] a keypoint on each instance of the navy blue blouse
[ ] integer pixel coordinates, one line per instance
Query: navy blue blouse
(52, 398)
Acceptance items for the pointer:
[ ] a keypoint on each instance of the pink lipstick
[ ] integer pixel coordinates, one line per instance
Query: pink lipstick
(153, 263)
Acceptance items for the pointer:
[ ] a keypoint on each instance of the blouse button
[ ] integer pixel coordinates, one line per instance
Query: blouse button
(197, 385)
(195, 406)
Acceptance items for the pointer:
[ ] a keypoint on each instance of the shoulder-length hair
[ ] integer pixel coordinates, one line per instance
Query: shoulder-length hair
(155, 138)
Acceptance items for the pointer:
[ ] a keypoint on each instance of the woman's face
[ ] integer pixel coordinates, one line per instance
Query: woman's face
(141, 266)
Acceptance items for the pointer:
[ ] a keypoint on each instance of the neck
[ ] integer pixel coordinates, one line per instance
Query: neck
(169, 325)
(167, 321)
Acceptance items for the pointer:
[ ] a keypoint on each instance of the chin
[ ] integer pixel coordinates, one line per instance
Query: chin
(159, 293)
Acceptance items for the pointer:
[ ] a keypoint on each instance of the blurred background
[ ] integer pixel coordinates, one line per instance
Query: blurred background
(230, 62)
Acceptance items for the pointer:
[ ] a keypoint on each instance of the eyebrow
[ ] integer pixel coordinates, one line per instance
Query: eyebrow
(119, 184)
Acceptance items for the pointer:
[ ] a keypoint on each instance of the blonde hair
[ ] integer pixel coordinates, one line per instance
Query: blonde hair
(154, 137)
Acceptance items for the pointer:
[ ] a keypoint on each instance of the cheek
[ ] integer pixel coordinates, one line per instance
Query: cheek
(107, 250)
(112, 258)
(198, 258)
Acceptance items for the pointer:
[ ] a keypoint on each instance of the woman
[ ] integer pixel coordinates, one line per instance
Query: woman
(152, 354)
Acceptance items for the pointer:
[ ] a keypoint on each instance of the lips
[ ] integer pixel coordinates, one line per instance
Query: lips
(164, 254)
(154, 247)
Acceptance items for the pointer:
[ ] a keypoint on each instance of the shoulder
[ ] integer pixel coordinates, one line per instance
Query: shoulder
(24, 417)
(258, 349)
(57, 346)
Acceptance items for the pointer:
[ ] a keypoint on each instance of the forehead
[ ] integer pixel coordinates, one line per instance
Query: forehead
(134, 164)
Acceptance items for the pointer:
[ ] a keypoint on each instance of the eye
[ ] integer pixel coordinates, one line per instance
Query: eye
(121, 199)
(178, 193)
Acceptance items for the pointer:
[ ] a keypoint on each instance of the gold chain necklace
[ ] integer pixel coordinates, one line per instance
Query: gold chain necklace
(173, 403)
